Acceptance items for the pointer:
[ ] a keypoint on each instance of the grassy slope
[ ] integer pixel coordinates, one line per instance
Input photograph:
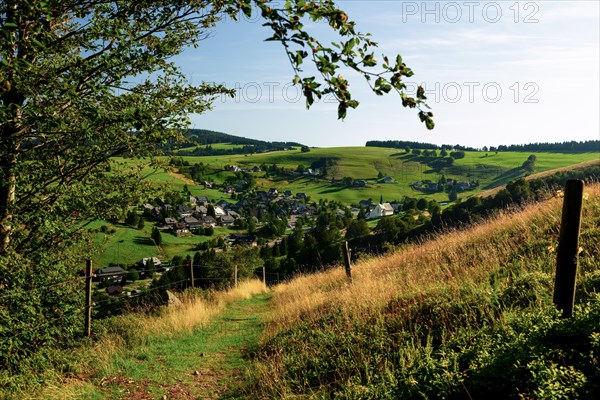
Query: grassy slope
(366, 162)
(205, 364)
(129, 245)
(538, 175)
(192, 351)
(466, 314)
(380, 337)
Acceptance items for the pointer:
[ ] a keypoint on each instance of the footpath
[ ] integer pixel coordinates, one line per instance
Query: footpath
(207, 364)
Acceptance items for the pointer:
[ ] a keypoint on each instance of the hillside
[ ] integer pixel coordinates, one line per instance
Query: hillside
(128, 245)
(372, 163)
(538, 175)
(203, 142)
(467, 314)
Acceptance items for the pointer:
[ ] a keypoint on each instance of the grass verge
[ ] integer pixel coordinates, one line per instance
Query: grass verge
(190, 351)
(467, 314)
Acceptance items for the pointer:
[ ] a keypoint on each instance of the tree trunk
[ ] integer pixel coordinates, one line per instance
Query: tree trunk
(10, 145)
(8, 186)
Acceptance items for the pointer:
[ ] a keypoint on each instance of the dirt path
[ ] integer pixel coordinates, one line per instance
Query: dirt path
(208, 364)
(182, 178)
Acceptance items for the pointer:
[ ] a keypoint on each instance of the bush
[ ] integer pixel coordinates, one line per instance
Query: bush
(39, 307)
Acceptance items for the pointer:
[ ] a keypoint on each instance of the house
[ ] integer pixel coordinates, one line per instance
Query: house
(202, 199)
(233, 214)
(273, 192)
(301, 195)
(463, 186)
(365, 203)
(227, 220)
(207, 220)
(432, 187)
(255, 169)
(111, 273)
(192, 223)
(224, 204)
(287, 193)
(219, 212)
(397, 207)
(155, 261)
(291, 222)
(147, 208)
(237, 238)
(200, 210)
(192, 200)
(388, 179)
(233, 168)
(181, 229)
(359, 183)
(183, 211)
(381, 210)
(170, 222)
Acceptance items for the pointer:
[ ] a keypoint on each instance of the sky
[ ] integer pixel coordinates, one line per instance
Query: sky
(495, 72)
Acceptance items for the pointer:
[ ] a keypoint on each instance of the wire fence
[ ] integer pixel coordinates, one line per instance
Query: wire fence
(115, 300)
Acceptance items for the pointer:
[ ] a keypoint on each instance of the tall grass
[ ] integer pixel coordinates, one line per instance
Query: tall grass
(424, 321)
(65, 375)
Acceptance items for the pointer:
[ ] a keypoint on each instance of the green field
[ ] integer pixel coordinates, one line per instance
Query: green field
(490, 169)
(215, 146)
(128, 245)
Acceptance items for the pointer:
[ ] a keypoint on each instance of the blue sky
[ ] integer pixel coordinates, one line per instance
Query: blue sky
(498, 72)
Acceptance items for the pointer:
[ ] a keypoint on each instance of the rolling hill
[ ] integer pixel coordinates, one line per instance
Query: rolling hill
(368, 163)
(466, 314)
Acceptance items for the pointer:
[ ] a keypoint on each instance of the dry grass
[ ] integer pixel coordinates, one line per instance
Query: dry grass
(195, 311)
(449, 261)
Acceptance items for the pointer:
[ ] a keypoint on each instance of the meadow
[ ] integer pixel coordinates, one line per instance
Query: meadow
(466, 314)
(490, 169)
(128, 245)
(123, 244)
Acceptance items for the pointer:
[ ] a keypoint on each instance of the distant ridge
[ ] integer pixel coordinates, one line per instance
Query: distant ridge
(559, 147)
(197, 142)
(205, 136)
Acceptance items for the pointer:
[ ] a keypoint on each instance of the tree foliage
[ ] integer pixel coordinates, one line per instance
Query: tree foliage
(83, 81)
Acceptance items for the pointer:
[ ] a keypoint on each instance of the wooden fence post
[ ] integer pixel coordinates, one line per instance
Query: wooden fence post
(568, 248)
(264, 276)
(235, 275)
(346, 252)
(192, 273)
(88, 299)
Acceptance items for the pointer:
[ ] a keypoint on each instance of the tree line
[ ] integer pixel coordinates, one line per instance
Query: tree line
(559, 147)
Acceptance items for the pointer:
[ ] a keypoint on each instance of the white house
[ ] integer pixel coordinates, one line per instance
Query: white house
(155, 261)
(219, 212)
(381, 210)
